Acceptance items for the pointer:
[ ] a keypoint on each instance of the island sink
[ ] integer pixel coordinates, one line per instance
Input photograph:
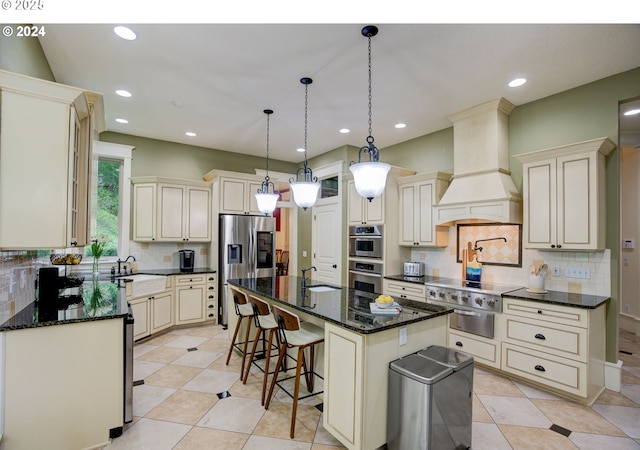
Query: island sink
(322, 288)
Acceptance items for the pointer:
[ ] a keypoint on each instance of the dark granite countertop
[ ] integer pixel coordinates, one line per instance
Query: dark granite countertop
(341, 307)
(560, 298)
(97, 299)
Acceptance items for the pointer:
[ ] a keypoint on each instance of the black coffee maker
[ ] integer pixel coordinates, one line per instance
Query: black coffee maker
(187, 259)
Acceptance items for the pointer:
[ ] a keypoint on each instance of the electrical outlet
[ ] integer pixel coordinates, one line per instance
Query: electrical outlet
(304, 253)
(627, 308)
(403, 336)
(555, 271)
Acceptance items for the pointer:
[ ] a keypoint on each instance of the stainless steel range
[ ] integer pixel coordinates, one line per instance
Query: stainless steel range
(474, 303)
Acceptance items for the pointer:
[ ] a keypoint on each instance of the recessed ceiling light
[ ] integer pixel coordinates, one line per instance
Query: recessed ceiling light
(400, 125)
(123, 93)
(124, 33)
(122, 120)
(632, 112)
(517, 82)
(190, 133)
(301, 150)
(345, 130)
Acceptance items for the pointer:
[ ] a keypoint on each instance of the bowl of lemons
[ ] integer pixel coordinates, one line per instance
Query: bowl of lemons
(384, 301)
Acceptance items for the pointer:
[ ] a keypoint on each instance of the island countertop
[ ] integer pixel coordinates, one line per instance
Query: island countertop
(341, 306)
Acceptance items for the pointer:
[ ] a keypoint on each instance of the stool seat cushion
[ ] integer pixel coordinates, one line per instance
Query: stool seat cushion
(246, 310)
(306, 335)
(267, 322)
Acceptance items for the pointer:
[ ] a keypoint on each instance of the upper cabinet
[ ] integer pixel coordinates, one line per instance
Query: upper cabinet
(362, 211)
(235, 192)
(46, 131)
(564, 196)
(171, 210)
(418, 195)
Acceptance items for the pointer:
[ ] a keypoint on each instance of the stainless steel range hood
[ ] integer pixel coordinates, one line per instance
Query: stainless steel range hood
(481, 189)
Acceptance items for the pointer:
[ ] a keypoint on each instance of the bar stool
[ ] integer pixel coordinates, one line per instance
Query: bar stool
(300, 335)
(263, 321)
(244, 311)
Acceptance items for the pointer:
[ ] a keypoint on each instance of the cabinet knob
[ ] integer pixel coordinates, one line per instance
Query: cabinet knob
(211, 288)
(211, 306)
(540, 368)
(539, 311)
(459, 344)
(335, 266)
(210, 278)
(540, 336)
(74, 243)
(559, 246)
(211, 296)
(210, 315)
(553, 246)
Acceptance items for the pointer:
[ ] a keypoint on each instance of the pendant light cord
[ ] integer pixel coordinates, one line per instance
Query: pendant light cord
(306, 99)
(267, 176)
(369, 37)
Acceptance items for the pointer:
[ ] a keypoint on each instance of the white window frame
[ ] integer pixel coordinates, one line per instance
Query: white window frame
(122, 153)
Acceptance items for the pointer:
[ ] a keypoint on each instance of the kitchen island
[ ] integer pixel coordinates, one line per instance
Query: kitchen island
(358, 348)
(62, 369)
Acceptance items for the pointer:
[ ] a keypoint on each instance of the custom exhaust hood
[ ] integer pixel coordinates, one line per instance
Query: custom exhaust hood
(481, 189)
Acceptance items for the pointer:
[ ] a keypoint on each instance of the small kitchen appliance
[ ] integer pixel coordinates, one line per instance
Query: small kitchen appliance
(413, 269)
(187, 258)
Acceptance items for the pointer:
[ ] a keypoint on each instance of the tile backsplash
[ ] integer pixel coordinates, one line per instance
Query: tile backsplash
(443, 262)
(164, 255)
(18, 270)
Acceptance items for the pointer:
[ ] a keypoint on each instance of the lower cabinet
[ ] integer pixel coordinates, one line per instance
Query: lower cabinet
(561, 348)
(190, 298)
(152, 314)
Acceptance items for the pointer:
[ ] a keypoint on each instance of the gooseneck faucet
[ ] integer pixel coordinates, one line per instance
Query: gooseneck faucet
(122, 262)
(304, 275)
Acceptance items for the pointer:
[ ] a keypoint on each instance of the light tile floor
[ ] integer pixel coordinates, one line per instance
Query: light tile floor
(178, 407)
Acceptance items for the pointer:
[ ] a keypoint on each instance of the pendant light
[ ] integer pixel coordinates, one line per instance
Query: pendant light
(305, 190)
(267, 200)
(369, 177)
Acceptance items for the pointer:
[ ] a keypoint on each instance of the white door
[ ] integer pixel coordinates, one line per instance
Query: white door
(327, 243)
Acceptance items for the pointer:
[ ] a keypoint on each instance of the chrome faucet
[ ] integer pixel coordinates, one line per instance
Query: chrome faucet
(304, 275)
(122, 262)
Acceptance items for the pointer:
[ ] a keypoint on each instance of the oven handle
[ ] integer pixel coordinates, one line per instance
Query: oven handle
(365, 236)
(366, 274)
(465, 312)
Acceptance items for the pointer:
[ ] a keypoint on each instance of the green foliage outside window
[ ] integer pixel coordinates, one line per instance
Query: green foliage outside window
(107, 207)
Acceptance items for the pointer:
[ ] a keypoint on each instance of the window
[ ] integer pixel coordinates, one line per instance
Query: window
(110, 199)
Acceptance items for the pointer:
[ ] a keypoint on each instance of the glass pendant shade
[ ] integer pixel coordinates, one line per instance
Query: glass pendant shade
(370, 178)
(305, 193)
(266, 202)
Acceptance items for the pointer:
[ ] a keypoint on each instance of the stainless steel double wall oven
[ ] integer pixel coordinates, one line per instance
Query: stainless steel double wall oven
(365, 263)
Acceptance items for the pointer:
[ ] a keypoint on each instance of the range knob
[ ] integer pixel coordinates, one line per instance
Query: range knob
(465, 298)
(491, 303)
(442, 294)
(479, 301)
(454, 296)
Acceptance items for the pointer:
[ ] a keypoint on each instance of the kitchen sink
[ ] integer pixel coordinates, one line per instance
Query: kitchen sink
(143, 284)
(323, 288)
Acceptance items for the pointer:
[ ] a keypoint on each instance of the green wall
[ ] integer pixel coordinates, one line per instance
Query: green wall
(152, 157)
(25, 56)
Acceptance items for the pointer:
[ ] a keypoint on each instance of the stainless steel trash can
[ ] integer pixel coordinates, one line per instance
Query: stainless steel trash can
(430, 400)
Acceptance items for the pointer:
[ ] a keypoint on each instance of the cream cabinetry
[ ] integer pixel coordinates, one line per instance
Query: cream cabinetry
(362, 211)
(152, 313)
(418, 195)
(484, 350)
(234, 192)
(171, 210)
(558, 347)
(356, 368)
(46, 131)
(564, 196)
(190, 298)
(211, 302)
(402, 289)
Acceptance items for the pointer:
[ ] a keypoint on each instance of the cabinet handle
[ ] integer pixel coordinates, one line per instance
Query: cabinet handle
(539, 311)
(210, 278)
(540, 368)
(211, 306)
(559, 246)
(211, 288)
(553, 246)
(211, 296)
(74, 243)
(459, 344)
(540, 336)
(210, 315)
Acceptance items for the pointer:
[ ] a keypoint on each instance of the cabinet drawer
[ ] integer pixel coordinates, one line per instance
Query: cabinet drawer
(551, 313)
(185, 280)
(484, 351)
(560, 340)
(406, 290)
(210, 312)
(556, 372)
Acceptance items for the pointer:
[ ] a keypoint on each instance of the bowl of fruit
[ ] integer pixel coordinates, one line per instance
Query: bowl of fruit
(384, 301)
(69, 259)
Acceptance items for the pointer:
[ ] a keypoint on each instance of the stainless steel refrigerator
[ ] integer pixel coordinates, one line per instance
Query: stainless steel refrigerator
(247, 250)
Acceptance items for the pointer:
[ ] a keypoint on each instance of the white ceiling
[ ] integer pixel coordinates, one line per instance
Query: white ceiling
(216, 80)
